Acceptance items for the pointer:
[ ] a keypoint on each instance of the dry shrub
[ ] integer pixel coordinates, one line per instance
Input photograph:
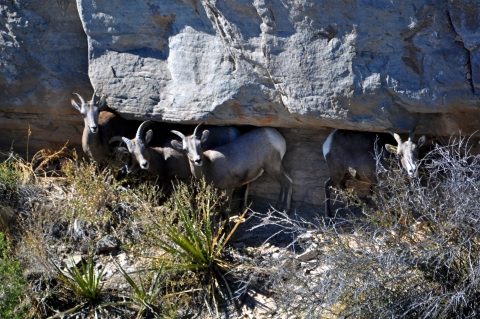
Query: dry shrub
(415, 254)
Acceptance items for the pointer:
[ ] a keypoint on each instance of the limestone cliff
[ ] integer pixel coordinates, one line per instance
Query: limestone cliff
(367, 65)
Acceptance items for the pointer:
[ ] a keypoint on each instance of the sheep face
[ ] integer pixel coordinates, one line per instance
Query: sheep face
(193, 147)
(89, 111)
(407, 153)
(139, 148)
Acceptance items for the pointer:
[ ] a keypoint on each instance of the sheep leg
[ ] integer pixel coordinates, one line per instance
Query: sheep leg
(245, 199)
(284, 198)
(290, 190)
(281, 196)
(328, 184)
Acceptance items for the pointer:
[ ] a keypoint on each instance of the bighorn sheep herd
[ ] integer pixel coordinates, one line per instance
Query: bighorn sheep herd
(228, 159)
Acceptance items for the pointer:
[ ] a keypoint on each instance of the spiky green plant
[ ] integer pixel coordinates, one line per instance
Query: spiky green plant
(196, 242)
(83, 281)
(146, 298)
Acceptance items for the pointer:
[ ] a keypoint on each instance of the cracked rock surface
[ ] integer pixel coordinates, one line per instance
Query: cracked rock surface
(350, 64)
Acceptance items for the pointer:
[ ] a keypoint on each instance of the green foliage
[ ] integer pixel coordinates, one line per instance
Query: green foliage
(12, 285)
(195, 240)
(83, 281)
(147, 298)
(9, 176)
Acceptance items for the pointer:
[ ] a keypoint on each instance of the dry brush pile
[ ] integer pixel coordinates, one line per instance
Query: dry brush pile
(412, 253)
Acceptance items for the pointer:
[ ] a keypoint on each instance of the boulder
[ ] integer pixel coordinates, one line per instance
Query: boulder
(348, 64)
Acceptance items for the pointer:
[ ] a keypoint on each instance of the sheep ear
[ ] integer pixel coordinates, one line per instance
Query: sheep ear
(102, 103)
(148, 136)
(391, 148)
(352, 171)
(421, 141)
(205, 136)
(177, 145)
(76, 106)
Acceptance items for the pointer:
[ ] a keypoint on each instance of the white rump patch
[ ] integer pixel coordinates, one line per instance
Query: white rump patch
(327, 145)
(277, 140)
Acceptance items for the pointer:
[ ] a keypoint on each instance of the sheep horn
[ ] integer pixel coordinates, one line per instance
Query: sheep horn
(93, 97)
(412, 132)
(141, 128)
(396, 136)
(179, 134)
(197, 130)
(119, 139)
(81, 98)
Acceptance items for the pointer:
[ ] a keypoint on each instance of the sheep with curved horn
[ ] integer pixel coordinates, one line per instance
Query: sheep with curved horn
(163, 161)
(353, 153)
(240, 161)
(100, 125)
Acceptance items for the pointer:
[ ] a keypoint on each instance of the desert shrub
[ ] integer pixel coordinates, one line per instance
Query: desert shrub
(9, 175)
(414, 253)
(70, 214)
(14, 174)
(98, 203)
(12, 284)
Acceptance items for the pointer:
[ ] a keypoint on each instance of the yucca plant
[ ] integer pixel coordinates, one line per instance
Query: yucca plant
(146, 298)
(83, 281)
(196, 241)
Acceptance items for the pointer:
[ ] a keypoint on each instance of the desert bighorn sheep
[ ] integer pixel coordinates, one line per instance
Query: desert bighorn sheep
(100, 126)
(240, 161)
(165, 161)
(353, 153)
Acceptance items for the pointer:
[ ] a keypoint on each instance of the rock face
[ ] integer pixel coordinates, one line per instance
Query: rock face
(43, 59)
(367, 65)
(301, 66)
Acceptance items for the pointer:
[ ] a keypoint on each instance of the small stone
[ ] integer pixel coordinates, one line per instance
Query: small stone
(73, 261)
(122, 259)
(307, 236)
(107, 244)
(309, 254)
(62, 249)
